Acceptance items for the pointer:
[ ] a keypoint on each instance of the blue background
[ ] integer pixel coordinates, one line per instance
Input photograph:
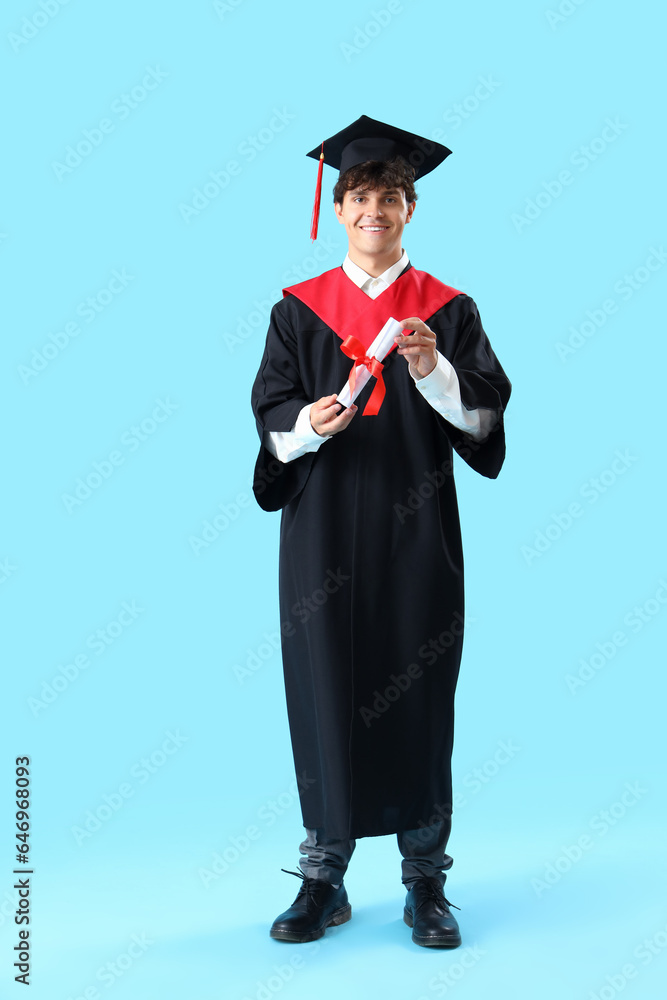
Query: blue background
(171, 727)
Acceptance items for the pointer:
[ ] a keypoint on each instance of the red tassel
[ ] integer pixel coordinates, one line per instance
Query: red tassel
(318, 197)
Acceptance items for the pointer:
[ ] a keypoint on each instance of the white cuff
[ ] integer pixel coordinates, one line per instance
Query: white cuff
(288, 445)
(304, 429)
(442, 380)
(441, 389)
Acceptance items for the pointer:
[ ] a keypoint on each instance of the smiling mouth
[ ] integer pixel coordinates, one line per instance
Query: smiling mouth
(374, 229)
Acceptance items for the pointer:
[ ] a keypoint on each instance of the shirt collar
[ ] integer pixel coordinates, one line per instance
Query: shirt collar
(361, 277)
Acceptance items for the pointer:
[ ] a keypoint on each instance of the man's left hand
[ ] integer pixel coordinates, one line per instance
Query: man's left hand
(419, 349)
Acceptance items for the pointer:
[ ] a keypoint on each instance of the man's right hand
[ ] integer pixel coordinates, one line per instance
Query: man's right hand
(329, 417)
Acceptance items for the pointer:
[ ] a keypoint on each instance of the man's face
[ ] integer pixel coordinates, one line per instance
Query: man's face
(375, 219)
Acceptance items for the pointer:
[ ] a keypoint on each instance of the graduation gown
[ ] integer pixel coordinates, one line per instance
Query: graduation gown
(371, 563)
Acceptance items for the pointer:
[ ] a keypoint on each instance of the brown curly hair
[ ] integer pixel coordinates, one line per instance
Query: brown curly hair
(376, 174)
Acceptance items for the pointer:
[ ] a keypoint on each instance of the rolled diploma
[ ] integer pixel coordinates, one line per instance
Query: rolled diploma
(378, 349)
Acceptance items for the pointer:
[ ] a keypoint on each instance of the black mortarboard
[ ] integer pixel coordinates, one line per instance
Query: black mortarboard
(368, 139)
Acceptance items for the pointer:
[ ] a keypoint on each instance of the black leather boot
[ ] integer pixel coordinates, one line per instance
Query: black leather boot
(427, 912)
(318, 905)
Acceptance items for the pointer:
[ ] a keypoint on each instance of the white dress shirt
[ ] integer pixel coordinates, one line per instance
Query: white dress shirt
(440, 387)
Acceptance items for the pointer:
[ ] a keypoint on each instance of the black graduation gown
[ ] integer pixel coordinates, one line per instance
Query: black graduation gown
(371, 569)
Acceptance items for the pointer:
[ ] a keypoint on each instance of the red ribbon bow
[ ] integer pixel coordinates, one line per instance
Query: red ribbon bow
(355, 350)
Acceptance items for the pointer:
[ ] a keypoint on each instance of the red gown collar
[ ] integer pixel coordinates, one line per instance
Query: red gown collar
(350, 312)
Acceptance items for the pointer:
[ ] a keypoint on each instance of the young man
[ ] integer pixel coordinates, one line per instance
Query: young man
(371, 565)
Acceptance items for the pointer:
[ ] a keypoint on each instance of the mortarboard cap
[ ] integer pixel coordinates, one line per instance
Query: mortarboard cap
(368, 139)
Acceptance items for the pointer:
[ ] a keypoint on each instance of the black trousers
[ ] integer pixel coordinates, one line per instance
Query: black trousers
(423, 853)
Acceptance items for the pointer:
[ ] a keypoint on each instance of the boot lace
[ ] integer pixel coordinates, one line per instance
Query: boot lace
(308, 886)
(434, 891)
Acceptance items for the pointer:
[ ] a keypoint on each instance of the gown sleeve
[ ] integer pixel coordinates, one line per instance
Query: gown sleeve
(278, 397)
(482, 381)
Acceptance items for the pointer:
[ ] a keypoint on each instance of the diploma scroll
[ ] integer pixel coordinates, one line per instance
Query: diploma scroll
(378, 349)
